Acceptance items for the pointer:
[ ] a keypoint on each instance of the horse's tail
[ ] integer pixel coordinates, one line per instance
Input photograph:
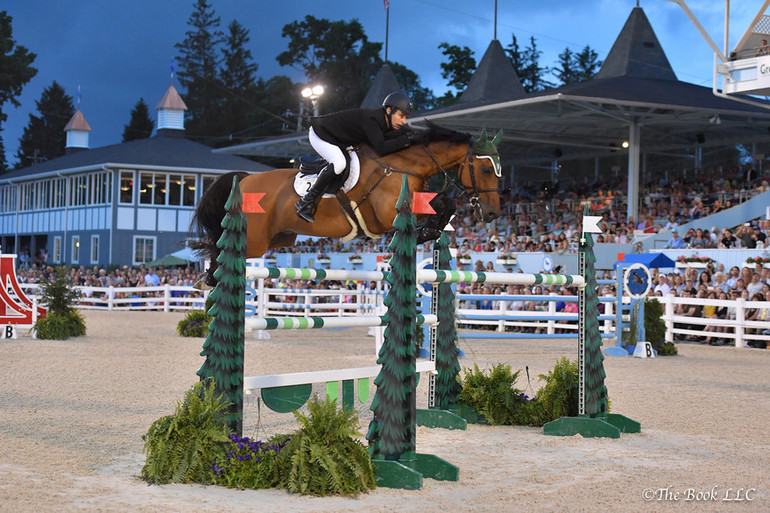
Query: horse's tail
(206, 224)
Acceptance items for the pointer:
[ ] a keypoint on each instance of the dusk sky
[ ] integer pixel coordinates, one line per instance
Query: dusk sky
(119, 52)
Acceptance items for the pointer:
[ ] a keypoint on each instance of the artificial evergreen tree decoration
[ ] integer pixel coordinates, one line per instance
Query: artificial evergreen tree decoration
(595, 391)
(224, 345)
(448, 388)
(391, 432)
(593, 419)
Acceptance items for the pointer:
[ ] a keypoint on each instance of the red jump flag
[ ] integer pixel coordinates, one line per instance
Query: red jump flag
(421, 202)
(251, 202)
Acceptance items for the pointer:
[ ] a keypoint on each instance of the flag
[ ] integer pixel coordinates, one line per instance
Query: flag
(421, 202)
(251, 202)
(386, 3)
(172, 67)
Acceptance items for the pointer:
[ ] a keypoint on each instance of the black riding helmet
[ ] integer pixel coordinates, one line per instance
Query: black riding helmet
(398, 101)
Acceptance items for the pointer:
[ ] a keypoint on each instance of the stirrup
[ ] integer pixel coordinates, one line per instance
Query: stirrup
(306, 210)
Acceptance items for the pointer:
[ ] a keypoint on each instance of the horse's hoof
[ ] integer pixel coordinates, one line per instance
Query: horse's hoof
(202, 282)
(428, 234)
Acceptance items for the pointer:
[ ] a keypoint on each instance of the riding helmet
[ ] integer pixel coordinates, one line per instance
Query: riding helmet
(398, 101)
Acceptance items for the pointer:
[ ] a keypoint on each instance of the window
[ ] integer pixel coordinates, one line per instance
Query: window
(152, 188)
(75, 249)
(144, 249)
(94, 249)
(207, 181)
(188, 191)
(126, 186)
(56, 250)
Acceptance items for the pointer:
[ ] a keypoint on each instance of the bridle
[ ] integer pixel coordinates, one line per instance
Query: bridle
(472, 192)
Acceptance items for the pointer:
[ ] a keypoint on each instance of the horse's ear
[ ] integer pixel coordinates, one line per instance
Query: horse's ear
(498, 137)
(483, 136)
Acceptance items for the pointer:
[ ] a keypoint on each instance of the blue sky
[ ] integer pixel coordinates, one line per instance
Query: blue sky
(118, 51)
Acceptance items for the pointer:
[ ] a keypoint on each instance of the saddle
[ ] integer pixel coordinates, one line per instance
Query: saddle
(311, 165)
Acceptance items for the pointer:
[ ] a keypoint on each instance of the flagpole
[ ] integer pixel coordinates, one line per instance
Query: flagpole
(387, 24)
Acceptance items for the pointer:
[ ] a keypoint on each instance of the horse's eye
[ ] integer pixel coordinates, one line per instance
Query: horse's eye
(486, 170)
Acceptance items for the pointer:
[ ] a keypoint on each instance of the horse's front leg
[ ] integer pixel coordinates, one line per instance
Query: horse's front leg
(433, 226)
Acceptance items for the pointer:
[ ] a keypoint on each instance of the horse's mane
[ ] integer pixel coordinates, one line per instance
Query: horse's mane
(440, 133)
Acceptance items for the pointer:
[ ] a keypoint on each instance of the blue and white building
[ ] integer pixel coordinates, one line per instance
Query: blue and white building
(124, 204)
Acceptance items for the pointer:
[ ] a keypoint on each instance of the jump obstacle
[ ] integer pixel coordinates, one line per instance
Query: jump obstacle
(392, 440)
(16, 309)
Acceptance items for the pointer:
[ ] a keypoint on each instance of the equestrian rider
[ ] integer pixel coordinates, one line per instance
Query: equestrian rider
(330, 135)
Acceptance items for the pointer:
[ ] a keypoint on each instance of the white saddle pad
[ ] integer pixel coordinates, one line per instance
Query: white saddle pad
(303, 183)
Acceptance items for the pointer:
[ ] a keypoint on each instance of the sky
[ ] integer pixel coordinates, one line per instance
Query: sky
(118, 51)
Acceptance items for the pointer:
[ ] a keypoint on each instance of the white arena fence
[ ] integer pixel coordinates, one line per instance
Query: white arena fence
(736, 326)
(346, 302)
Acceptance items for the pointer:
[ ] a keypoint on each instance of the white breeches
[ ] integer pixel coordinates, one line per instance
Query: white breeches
(332, 153)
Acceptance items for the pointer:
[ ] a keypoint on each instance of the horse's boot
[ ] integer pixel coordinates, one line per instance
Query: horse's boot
(307, 205)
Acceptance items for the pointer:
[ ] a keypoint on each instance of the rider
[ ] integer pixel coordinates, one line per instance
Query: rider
(331, 134)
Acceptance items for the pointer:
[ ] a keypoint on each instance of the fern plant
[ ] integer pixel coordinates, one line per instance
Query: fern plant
(195, 324)
(182, 447)
(323, 457)
(495, 396)
(559, 395)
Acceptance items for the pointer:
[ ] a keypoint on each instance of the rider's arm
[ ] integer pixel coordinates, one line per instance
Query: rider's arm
(378, 141)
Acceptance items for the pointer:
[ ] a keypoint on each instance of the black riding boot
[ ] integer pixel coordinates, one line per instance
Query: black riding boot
(306, 206)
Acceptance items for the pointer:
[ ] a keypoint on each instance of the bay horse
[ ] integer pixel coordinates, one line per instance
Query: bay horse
(372, 207)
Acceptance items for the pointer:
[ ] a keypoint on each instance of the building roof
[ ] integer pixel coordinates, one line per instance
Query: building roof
(78, 122)
(155, 152)
(637, 52)
(384, 83)
(494, 80)
(171, 100)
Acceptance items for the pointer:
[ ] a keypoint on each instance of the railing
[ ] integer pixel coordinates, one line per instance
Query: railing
(544, 319)
(736, 326)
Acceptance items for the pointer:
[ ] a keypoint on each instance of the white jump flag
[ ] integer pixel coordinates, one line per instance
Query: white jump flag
(591, 224)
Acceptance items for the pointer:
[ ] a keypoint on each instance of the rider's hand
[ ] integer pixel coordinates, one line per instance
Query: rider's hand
(415, 137)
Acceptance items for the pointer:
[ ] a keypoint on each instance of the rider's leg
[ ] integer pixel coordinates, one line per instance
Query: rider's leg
(334, 155)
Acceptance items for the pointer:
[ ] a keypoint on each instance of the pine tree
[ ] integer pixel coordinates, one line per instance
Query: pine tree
(565, 70)
(199, 69)
(140, 126)
(224, 346)
(44, 137)
(237, 76)
(447, 386)
(392, 430)
(15, 71)
(587, 64)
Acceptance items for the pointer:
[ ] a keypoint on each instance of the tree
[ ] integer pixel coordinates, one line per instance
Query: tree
(565, 70)
(141, 125)
(15, 71)
(337, 55)
(533, 76)
(460, 67)
(44, 137)
(527, 65)
(237, 79)
(199, 69)
(587, 64)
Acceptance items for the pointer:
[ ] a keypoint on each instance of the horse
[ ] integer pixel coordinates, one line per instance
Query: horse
(371, 209)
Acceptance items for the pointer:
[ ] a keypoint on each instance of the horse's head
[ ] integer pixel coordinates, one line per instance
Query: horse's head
(481, 179)
(477, 163)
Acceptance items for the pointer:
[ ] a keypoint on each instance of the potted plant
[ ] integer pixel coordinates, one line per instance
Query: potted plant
(355, 258)
(508, 259)
(323, 258)
(696, 262)
(765, 261)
